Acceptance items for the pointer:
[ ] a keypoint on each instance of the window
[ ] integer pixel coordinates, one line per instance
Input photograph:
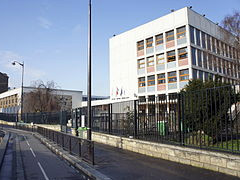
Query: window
(201, 75)
(208, 43)
(159, 39)
(219, 65)
(150, 61)
(161, 78)
(215, 63)
(171, 56)
(170, 35)
(192, 34)
(141, 63)
(218, 46)
(213, 45)
(181, 32)
(199, 58)
(204, 60)
(140, 45)
(160, 58)
(141, 82)
(206, 76)
(193, 56)
(203, 40)
(194, 74)
(210, 61)
(149, 42)
(172, 77)
(182, 53)
(151, 80)
(198, 37)
(184, 74)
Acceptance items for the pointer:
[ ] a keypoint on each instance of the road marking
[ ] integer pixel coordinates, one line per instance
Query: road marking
(26, 141)
(32, 152)
(44, 174)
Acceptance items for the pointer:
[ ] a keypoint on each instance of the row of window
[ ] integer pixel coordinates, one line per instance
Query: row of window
(160, 58)
(209, 61)
(198, 74)
(7, 102)
(210, 43)
(161, 78)
(169, 36)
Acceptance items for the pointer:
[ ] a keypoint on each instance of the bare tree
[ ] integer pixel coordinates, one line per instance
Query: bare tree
(41, 98)
(231, 23)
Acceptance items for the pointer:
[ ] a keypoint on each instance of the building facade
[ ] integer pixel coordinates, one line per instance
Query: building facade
(10, 101)
(160, 57)
(3, 82)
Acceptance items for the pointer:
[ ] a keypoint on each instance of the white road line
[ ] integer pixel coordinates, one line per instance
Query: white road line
(32, 152)
(26, 141)
(44, 174)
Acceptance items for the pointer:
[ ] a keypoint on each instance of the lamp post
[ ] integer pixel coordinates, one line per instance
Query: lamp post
(21, 64)
(89, 132)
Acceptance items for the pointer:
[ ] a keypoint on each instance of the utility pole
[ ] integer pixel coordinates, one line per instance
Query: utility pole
(89, 131)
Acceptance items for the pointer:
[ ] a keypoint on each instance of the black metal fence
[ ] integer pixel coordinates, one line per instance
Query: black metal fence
(82, 148)
(206, 119)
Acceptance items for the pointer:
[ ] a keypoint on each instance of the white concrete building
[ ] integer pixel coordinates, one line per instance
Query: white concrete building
(161, 56)
(10, 101)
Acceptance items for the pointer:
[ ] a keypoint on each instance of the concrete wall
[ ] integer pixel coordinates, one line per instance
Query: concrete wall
(220, 162)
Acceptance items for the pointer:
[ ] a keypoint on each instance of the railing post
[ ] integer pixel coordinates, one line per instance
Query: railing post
(109, 118)
(179, 118)
(70, 147)
(135, 118)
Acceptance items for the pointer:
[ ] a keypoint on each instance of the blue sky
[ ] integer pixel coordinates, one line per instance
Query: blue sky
(51, 35)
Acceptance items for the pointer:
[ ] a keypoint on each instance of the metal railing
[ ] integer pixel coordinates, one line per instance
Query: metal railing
(82, 148)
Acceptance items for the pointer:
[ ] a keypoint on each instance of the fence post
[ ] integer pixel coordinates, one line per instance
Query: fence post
(135, 118)
(179, 118)
(109, 118)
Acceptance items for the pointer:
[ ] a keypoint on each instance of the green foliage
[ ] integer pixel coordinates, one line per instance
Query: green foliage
(207, 106)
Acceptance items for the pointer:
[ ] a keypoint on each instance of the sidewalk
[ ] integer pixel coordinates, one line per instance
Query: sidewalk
(125, 165)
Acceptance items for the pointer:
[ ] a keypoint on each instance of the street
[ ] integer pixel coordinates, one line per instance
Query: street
(38, 162)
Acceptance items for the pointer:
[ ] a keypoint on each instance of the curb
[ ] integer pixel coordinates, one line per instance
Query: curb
(74, 161)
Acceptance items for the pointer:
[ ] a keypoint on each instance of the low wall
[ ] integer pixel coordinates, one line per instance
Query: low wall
(221, 162)
(52, 127)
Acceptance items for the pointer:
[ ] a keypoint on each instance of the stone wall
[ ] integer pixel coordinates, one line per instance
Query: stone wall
(221, 162)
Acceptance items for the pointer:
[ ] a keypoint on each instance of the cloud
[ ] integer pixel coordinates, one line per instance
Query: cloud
(44, 23)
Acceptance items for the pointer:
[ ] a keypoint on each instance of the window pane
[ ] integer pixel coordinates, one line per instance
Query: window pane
(203, 40)
(208, 43)
(141, 82)
(199, 58)
(141, 63)
(184, 74)
(181, 32)
(194, 74)
(151, 80)
(172, 77)
(192, 34)
(182, 53)
(140, 45)
(161, 78)
(159, 39)
(198, 37)
(150, 61)
(170, 35)
(160, 58)
(193, 56)
(171, 56)
(149, 42)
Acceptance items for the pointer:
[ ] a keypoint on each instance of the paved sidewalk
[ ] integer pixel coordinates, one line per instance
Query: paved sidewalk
(125, 165)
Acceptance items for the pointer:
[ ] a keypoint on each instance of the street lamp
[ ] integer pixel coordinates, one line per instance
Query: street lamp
(21, 64)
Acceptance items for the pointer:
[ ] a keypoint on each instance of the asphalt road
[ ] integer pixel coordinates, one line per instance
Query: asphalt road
(37, 160)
